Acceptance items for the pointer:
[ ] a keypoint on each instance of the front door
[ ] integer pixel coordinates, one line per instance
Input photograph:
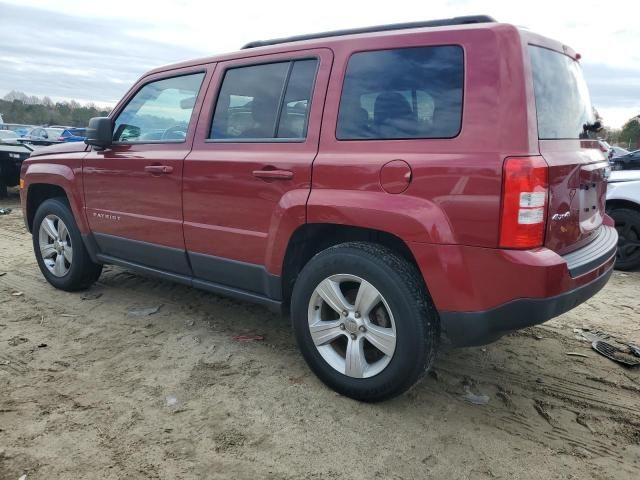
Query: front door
(248, 177)
(133, 189)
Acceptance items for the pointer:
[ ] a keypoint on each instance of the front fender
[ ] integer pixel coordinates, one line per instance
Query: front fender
(64, 175)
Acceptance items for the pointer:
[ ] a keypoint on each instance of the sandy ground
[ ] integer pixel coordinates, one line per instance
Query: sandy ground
(89, 390)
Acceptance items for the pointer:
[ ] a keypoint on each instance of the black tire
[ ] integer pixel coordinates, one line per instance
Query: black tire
(401, 285)
(628, 227)
(3, 184)
(82, 271)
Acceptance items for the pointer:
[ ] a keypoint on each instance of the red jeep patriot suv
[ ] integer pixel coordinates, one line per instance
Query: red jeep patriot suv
(382, 185)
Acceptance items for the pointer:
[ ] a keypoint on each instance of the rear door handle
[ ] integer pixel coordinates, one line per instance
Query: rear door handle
(158, 169)
(273, 174)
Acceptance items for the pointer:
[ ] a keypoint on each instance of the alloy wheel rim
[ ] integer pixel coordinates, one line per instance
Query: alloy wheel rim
(352, 326)
(55, 245)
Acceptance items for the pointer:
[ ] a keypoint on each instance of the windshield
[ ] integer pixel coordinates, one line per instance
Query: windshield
(563, 104)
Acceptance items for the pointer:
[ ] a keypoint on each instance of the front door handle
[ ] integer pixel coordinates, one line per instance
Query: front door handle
(273, 174)
(158, 169)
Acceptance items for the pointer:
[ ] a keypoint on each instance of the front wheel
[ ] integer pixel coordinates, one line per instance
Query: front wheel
(364, 321)
(59, 249)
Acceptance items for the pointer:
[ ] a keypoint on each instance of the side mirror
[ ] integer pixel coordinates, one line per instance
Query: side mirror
(99, 132)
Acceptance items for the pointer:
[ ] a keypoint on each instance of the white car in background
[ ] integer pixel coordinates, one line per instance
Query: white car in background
(623, 205)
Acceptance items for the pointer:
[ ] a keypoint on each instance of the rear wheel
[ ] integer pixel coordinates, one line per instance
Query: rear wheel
(628, 226)
(363, 321)
(59, 249)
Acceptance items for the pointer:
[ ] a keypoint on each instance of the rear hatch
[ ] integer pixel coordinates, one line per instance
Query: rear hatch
(578, 169)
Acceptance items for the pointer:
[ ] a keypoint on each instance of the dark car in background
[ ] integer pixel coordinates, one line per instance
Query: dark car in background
(628, 161)
(617, 151)
(12, 154)
(73, 135)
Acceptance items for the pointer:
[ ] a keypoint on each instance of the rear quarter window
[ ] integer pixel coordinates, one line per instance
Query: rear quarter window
(402, 94)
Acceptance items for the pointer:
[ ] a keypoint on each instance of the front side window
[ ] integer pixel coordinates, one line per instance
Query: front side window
(402, 93)
(159, 112)
(263, 102)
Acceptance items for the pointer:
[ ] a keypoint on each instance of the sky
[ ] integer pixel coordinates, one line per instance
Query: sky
(94, 51)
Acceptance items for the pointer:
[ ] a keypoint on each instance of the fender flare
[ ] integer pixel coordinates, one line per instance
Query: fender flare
(413, 219)
(62, 176)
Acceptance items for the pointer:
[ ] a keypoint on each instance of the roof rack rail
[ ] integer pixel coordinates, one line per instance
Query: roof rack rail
(379, 28)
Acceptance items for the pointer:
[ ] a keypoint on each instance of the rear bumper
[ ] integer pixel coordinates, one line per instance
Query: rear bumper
(483, 293)
(478, 328)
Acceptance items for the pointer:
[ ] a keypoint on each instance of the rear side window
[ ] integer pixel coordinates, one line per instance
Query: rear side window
(264, 102)
(563, 104)
(159, 112)
(402, 93)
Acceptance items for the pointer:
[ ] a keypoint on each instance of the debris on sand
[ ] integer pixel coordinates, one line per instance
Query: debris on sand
(144, 312)
(475, 399)
(91, 296)
(248, 338)
(17, 294)
(577, 354)
(626, 357)
(5, 211)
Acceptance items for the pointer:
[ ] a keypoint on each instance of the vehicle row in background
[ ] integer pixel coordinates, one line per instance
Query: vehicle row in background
(626, 161)
(41, 135)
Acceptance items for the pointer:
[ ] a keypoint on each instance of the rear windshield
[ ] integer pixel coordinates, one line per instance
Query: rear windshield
(562, 99)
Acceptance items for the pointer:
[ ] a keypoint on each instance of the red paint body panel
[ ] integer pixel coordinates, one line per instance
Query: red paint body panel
(63, 170)
(228, 211)
(125, 200)
(576, 186)
(456, 185)
(447, 211)
(466, 279)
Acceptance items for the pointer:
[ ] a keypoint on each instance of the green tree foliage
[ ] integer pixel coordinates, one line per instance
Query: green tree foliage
(16, 107)
(630, 134)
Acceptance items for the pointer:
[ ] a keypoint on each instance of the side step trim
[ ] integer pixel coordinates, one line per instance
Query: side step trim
(237, 293)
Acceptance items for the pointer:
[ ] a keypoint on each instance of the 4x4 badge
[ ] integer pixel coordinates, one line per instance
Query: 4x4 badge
(561, 216)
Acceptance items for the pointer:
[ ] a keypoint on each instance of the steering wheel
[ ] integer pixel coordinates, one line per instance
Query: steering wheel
(177, 132)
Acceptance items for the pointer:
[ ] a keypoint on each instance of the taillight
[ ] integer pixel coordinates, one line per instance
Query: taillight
(524, 202)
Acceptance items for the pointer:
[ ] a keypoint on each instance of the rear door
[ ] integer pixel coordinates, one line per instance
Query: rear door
(249, 174)
(133, 189)
(577, 167)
